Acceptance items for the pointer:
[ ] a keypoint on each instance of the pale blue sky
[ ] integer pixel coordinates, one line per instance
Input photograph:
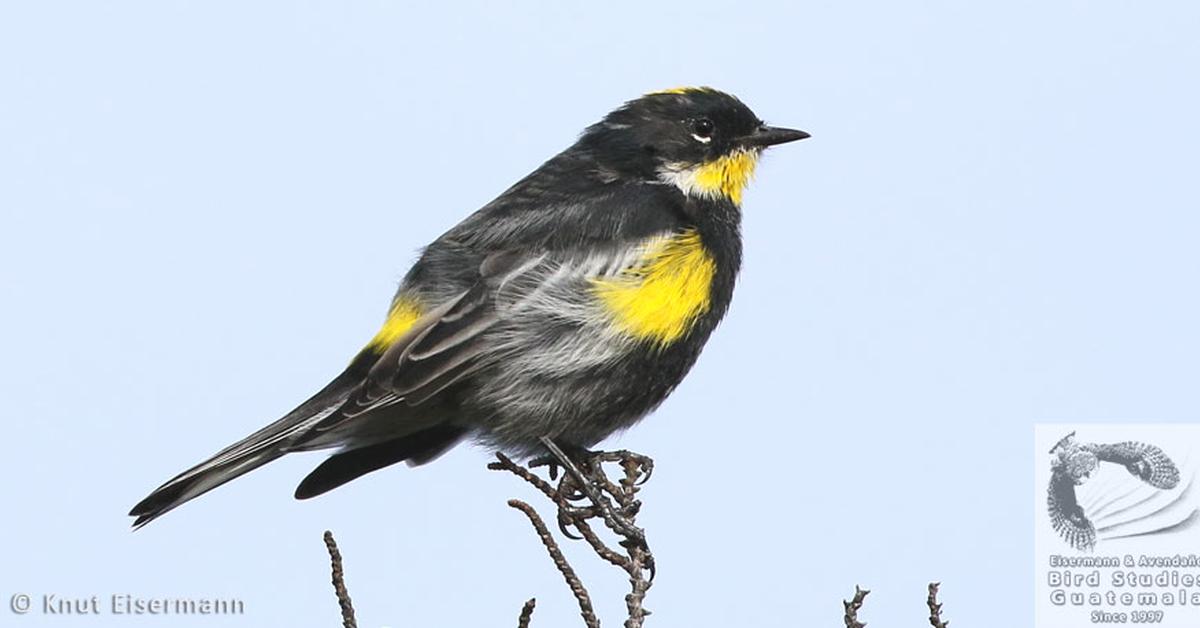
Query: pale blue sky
(205, 208)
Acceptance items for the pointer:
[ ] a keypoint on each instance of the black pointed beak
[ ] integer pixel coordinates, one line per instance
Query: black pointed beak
(765, 136)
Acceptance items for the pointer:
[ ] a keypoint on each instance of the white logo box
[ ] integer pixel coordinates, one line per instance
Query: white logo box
(1117, 525)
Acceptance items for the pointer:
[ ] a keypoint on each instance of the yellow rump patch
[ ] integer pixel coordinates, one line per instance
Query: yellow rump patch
(728, 175)
(405, 311)
(659, 299)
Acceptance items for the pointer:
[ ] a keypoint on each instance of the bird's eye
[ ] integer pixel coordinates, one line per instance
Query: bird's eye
(702, 129)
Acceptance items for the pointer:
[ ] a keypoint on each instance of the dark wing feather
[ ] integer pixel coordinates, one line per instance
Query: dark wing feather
(345, 466)
(446, 352)
(439, 350)
(1144, 461)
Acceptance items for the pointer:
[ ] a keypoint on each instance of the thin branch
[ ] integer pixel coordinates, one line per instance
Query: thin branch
(851, 608)
(601, 549)
(526, 613)
(638, 584)
(339, 582)
(935, 607)
(504, 463)
(560, 561)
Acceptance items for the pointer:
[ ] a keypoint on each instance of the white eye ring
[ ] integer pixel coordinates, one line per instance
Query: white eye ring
(702, 129)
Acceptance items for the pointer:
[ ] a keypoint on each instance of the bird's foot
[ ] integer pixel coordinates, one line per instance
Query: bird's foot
(638, 468)
(584, 479)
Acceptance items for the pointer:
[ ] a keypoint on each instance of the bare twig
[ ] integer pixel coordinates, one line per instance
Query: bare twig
(851, 608)
(935, 607)
(615, 503)
(586, 492)
(526, 613)
(339, 582)
(560, 561)
(504, 463)
(600, 547)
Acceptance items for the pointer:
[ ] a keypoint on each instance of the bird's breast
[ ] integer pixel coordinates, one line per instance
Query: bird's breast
(661, 295)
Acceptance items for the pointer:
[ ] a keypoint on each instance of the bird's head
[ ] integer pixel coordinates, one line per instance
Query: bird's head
(1080, 464)
(700, 139)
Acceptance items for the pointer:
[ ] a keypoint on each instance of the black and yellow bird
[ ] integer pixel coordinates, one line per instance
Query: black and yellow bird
(567, 308)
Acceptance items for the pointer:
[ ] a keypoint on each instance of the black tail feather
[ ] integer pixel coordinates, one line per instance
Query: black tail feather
(252, 452)
(195, 482)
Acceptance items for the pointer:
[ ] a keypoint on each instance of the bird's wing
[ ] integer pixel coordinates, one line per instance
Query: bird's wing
(447, 343)
(1066, 515)
(1144, 461)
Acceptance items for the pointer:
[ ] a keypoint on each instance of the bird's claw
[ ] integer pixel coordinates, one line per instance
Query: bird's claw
(551, 464)
(564, 523)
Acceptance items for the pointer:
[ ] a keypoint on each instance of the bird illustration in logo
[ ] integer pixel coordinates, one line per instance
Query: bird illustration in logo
(1073, 463)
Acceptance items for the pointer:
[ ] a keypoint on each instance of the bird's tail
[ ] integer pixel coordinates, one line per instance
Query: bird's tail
(252, 452)
(195, 482)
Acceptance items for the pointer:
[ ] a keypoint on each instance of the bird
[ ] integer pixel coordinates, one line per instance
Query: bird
(1073, 463)
(567, 308)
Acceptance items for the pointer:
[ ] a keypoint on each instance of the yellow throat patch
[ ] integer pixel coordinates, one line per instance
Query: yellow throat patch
(405, 311)
(724, 177)
(659, 299)
(727, 176)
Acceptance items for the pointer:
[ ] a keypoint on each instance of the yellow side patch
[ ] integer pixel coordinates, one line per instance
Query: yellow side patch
(405, 311)
(728, 175)
(659, 299)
